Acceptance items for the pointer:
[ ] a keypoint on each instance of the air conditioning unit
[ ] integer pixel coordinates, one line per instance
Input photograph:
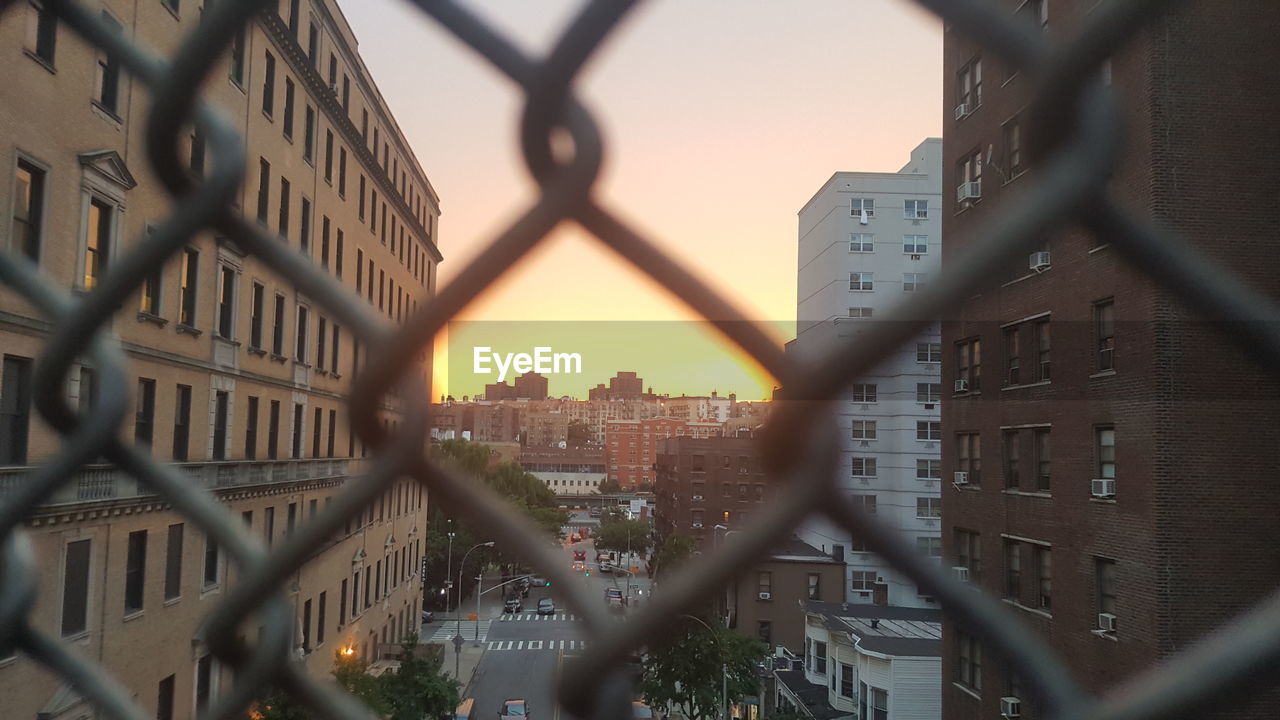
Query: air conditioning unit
(962, 111)
(962, 385)
(1039, 260)
(742, 471)
(766, 596)
(969, 191)
(960, 478)
(697, 498)
(1106, 622)
(1010, 707)
(696, 526)
(961, 572)
(1104, 487)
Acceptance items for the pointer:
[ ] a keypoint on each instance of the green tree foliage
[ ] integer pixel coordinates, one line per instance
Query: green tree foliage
(674, 551)
(471, 458)
(613, 535)
(609, 486)
(686, 672)
(414, 691)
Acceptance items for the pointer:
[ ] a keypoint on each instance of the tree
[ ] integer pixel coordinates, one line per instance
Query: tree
(608, 486)
(687, 671)
(417, 689)
(276, 705)
(619, 535)
(671, 553)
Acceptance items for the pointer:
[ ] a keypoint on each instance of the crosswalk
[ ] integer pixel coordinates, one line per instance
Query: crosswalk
(466, 628)
(534, 617)
(535, 645)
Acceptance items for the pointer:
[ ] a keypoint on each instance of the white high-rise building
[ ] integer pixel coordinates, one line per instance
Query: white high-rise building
(867, 240)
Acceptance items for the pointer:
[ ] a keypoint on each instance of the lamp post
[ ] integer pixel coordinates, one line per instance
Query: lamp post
(448, 574)
(724, 668)
(457, 621)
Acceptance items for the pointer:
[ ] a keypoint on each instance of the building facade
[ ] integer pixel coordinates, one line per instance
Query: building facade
(705, 486)
(633, 445)
(238, 378)
(762, 602)
(1108, 455)
(567, 471)
(867, 241)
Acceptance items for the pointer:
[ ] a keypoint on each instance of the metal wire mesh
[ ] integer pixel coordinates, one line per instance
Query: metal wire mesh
(1075, 137)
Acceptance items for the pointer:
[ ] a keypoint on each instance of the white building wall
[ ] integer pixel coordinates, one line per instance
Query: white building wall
(826, 224)
(571, 483)
(914, 684)
(917, 684)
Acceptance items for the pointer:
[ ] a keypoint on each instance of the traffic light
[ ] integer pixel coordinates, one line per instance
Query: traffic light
(548, 583)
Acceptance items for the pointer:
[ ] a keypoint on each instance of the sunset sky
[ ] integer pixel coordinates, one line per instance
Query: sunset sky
(720, 120)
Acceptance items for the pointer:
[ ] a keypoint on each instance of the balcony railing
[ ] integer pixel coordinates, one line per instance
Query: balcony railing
(106, 482)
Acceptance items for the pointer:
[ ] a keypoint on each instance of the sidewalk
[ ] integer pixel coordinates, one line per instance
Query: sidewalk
(470, 656)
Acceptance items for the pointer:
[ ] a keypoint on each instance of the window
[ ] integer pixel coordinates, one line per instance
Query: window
(864, 467)
(912, 282)
(294, 17)
(862, 281)
(915, 210)
(144, 416)
(28, 208)
(928, 507)
(1104, 334)
(1105, 579)
(164, 699)
(1042, 370)
(236, 72)
(75, 588)
(315, 433)
(862, 580)
(862, 242)
(187, 297)
(204, 682)
(300, 347)
(864, 392)
(322, 335)
(858, 207)
(1042, 459)
(42, 31)
(309, 136)
(337, 339)
(97, 239)
(360, 207)
(181, 423)
(864, 429)
(226, 301)
(1044, 577)
(333, 72)
(328, 156)
(269, 87)
(866, 502)
(333, 432)
(320, 608)
(285, 196)
(928, 469)
(273, 431)
(819, 657)
(269, 519)
(264, 189)
(928, 430)
(764, 631)
(846, 680)
(342, 172)
(313, 45)
(150, 302)
(860, 312)
(968, 661)
(764, 582)
(969, 81)
(346, 93)
(108, 80)
(324, 242)
(1105, 451)
(873, 704)
(251, 430)
(928, 392)
(969, 175)
(969, 454)
(815, 586)
(221, 399)
(1034, 11)
(277, 329)
(135, 569)
(337, 256)
(197, 153)
(256, 309)
(929, 352)
(173, 562)
(296, 447)
(1012, 148)
(969, 552)
(1013, 570)
(15, 410)
(969, 363)
(306, 626)
(1011, 478)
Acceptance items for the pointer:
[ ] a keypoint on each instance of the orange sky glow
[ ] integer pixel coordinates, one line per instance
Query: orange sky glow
(720, 120)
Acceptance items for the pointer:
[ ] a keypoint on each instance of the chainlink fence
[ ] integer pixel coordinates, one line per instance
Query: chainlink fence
(1074, 134)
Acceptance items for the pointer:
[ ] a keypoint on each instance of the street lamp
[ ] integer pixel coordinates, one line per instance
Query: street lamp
(456, 621)
(448, 574)
(724, 668)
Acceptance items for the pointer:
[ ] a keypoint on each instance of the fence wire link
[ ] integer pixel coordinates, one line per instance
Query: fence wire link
(1075, 136)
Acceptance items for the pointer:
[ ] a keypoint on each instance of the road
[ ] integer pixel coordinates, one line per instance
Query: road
(525, 653)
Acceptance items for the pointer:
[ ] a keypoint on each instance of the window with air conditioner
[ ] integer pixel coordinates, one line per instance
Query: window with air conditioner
(1105, 589)
(863, 393)
(968, 364)
(968, 552)
(968, 88)
(969, 456)
(859, 206)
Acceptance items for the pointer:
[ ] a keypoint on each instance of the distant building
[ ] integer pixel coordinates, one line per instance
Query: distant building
(866, 661)
(868, 240)
(632, 445)
(762, 602)
(531, 386)
(705, 483)
(545, 428)
(567, 471)
(693, 408)
(496, 392)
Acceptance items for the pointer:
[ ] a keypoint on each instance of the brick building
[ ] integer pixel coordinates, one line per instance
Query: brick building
(702, 483)
(1124, 509)
(633, 445)
(531, 386)
(762, 602)
(238, 378)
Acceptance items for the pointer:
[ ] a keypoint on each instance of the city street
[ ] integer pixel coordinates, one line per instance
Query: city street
(524, 653)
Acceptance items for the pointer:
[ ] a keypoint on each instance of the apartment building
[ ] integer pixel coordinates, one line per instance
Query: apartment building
(633, 445)
(567, 471)
(706, 485)
(238, 378)
(761, 603)
(867, 241)
(1108, 457)
(703, 408)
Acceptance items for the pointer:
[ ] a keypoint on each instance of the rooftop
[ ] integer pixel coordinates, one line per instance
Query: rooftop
(812, 695)
(915, 632)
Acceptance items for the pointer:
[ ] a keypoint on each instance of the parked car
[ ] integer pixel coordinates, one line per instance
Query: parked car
(606, 567)
(427, 616)
(538, 581)
(546, 606)
(514, 709)
(612, 593)
(579, 566)
(580, 555)
(513, 605)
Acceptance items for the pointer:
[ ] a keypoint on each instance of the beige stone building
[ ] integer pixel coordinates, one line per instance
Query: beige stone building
(237, 377)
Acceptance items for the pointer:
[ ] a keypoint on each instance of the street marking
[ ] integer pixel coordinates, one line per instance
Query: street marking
(493, 645)
(520, 646)
(535, 644)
